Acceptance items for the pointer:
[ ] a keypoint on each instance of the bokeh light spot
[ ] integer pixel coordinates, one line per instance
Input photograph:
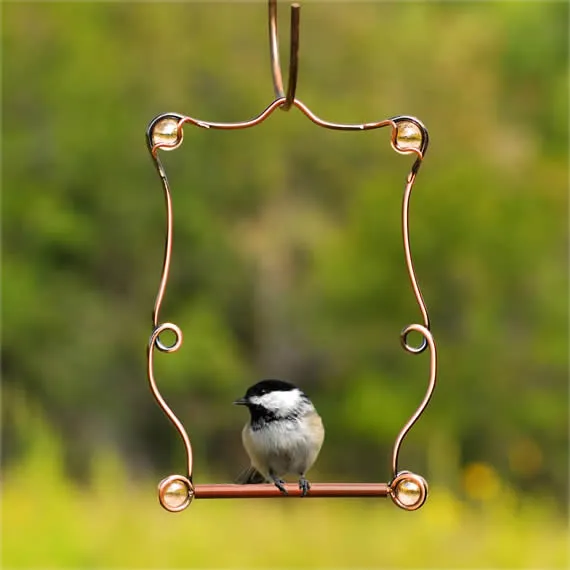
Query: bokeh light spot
(481, 482)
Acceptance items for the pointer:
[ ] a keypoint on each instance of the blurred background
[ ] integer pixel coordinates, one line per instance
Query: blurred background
(288, 263)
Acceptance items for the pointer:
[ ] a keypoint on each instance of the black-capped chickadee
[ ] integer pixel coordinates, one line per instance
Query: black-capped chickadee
(284, 435)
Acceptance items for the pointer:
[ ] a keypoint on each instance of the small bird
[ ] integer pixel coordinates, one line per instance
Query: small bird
(284, 435)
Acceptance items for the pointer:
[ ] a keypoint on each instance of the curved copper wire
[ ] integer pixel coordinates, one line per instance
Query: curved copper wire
(428, 337)
(293, 55)
(393, 122)
(167, 246)
(419, 149)
(153, 341)
(410, 265)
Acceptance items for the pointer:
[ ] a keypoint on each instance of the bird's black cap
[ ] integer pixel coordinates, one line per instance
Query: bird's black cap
(264, 387)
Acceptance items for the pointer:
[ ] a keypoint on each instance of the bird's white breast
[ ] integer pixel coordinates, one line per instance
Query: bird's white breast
(285, 446)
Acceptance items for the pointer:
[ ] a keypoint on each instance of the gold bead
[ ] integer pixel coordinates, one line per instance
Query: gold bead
(175, 493)
(408, 492)
(165, 132)
(408, 136)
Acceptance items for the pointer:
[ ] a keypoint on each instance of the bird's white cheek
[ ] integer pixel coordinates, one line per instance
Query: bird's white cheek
(281, 402)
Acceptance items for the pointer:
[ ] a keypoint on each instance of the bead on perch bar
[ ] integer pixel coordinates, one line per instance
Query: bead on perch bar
(408, 136)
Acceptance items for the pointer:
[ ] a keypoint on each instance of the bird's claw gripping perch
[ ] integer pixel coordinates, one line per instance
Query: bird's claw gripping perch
(280, 484)
(305, 486)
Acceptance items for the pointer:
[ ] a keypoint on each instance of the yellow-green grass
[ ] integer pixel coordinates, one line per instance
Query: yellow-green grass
(49, 522)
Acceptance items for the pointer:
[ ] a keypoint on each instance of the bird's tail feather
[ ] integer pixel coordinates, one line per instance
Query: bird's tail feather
(250, 476)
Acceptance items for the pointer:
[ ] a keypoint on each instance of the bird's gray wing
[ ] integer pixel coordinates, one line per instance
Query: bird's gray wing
(250, 476)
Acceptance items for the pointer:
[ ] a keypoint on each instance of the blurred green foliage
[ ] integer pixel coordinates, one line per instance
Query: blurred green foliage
(287, 257)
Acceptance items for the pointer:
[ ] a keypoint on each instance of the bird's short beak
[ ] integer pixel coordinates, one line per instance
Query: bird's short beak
(241, 402)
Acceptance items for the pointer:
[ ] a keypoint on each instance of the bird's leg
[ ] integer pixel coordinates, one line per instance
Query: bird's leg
(279, 483)
(304, 485)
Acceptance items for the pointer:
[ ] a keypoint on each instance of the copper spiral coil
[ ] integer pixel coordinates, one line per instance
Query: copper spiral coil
(408, 136)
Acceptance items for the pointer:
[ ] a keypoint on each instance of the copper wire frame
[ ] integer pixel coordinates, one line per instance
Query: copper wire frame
(408, 136)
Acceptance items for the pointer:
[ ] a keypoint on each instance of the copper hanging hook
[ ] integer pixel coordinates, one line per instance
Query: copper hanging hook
(293, 55)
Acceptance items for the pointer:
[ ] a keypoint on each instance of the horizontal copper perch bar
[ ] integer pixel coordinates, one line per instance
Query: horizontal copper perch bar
(265, 491)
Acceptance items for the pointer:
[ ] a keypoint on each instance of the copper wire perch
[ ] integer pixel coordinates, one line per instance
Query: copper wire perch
(408, 136)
